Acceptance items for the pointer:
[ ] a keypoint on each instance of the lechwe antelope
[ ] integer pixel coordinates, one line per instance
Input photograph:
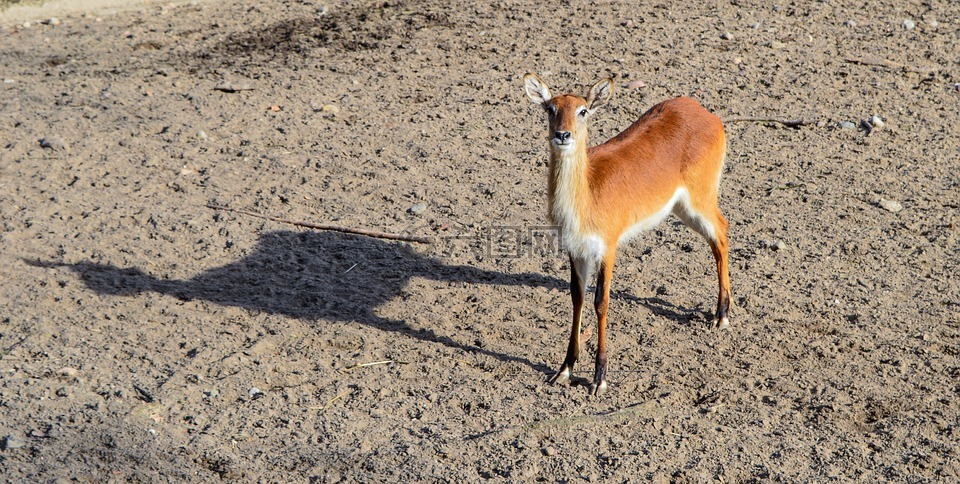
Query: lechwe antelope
(669, 161)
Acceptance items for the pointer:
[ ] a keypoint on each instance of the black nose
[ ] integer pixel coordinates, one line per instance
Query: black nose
(562, 135)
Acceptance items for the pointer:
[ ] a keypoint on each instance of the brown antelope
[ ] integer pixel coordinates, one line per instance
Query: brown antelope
(668, 161)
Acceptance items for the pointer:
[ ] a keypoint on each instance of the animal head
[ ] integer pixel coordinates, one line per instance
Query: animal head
(567, 114)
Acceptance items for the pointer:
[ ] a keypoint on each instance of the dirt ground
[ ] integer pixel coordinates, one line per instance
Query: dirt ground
(148, 337)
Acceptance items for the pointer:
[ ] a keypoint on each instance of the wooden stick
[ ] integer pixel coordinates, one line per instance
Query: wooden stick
(790, 123)
(334, 228)
(374, 363)
(890, 64)
(649, 409)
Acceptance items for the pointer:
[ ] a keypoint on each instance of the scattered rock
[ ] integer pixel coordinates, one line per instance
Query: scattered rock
(549, 451)
(13, 442)
(231, 87)
(847, 125)
(755, 26)
(628, 24)
(52, 143)
(876, 121)
(779, 245)
(850, 23)
(62, 392)
(776, 44)
(68, 372)
(908, 24)
(202, 134)
(637, 84)
(255, 393)
(418, 208)
(330, 109)
(52, 21)
(890, 205)
(9, 81)
(726, 36)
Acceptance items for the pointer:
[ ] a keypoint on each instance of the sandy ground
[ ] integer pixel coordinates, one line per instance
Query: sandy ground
(145, 336)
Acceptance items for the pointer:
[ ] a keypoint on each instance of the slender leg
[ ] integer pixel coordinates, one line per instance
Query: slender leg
(714, 229)
(601, 304)
(719, 247)
(579, 271)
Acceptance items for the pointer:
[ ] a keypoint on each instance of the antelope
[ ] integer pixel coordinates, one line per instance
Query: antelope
(668, 161)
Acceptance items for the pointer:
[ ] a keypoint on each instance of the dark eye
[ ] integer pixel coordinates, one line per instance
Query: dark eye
(552, 110)
(582, 112)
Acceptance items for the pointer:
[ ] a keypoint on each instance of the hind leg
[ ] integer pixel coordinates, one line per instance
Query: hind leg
(711, 224)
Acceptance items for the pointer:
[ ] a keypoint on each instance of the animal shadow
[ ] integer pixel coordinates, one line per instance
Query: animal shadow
(314, 276)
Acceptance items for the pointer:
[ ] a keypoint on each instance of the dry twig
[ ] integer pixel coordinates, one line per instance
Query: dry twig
(336, 228)
(334, 399)
(790, 123)
(650, 409)
(864, 61)
(374, 363)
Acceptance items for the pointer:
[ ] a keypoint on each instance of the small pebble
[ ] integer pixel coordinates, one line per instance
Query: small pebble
(68, 372)
(9, 81)
(847, 125)
(549, 451)
(27, 25)
(418, 208)
(628, 24)
(755, 26)
(850, 23)
(52, 143)
(779, 245)
(776, 44)
(890, 205)
(726, 36)
(201, 134)
(52, 21)
(637, 84)
(876, 121)
(909, 24)
(13, 442)
(330, 109)
(255, 393)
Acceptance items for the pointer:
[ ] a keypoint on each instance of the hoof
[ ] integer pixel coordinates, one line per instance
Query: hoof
(597, 389)
(561, 376)
(719, 324)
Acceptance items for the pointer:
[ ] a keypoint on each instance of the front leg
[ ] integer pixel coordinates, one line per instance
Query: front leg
(602, 304)
(578, 275)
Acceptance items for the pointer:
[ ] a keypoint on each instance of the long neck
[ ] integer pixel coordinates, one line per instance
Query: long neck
(568, 188)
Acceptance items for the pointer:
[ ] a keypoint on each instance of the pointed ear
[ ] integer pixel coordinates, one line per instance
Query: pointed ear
(600, 94)
(536, 89)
